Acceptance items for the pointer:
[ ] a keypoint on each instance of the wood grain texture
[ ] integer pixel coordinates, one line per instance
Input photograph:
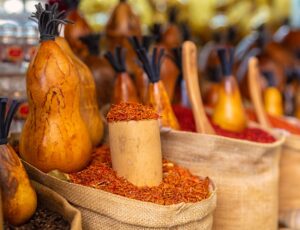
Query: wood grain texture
(190, 74)
(256, 92)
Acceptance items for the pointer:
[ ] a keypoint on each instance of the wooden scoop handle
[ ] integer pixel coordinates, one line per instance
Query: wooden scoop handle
(190, 74)
(255, 92)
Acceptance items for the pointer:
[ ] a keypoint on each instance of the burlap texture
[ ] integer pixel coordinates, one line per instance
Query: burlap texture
(289, 189)
(57, 203)
(246, 174)
(103, 210)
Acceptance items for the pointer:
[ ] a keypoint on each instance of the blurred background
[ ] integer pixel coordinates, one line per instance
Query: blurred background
(19, 36)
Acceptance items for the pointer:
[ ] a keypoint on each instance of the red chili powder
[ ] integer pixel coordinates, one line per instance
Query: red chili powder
(131, 112)
(277, 122)
(186, 120)
(178, 185)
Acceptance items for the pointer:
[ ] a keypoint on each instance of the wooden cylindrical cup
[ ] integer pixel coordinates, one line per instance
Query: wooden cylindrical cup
(136, 151)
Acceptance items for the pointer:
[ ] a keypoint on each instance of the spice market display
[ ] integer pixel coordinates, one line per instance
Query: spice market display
(149, 114)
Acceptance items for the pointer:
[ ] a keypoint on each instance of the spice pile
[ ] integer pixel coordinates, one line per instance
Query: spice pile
(278, 122)
(187, 123)
(178, 185)
(131, 111)
(185, 118)
(44, 219)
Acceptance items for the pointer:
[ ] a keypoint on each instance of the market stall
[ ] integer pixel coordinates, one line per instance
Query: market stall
(113, 119)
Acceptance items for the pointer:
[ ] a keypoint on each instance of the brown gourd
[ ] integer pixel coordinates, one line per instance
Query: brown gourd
(229, 112)
(172, 36)
(54, 135)
(157, 95)
(169, 73)
(80, 28)
(210, 68)
(168, 70)
(273, 101)
(19, 199)
(123, 23)
(141, 77)
(102, 71)
(180, 91)
(124, 89)
(88, 102)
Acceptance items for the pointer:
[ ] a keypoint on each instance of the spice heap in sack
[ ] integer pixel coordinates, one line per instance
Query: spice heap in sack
(177, 185)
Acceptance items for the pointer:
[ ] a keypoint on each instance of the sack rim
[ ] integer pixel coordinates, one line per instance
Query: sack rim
(76, 223)
(208, 204)
(280, 138)
(26, 164)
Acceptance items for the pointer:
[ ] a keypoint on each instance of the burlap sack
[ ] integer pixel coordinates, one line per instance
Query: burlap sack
(103, 210)
(246, 174)
(57, 203)
(289, 185)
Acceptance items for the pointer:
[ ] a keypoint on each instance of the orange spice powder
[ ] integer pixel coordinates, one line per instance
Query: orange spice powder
(131, 112)
(178, 184)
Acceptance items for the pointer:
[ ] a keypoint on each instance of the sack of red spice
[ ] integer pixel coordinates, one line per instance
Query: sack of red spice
(289, 183)
(104, 210)
(246, 174)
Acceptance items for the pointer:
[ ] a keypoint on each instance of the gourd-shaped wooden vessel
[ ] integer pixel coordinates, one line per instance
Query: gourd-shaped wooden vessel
(124, 89)
(141, 77)
(272, 96)
(88, 102)
(229, 112)
(18, 197)
(157, 95)
(168, 70)
(54, 135)
(80, 28)
(102, 71)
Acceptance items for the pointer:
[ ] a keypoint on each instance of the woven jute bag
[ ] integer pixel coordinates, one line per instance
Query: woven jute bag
(289, 189)
(246, 175)
(57, 203)
(103, 210)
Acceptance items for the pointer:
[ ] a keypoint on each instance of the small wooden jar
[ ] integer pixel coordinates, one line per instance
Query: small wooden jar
(135, 143)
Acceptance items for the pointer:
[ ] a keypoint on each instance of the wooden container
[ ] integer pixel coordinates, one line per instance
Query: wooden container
(135, 144)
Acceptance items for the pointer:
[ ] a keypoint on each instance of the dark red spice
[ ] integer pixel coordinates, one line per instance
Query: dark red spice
(187, 123)
(178, 185)
(278, 122)
(131, 111)
(185, 118)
